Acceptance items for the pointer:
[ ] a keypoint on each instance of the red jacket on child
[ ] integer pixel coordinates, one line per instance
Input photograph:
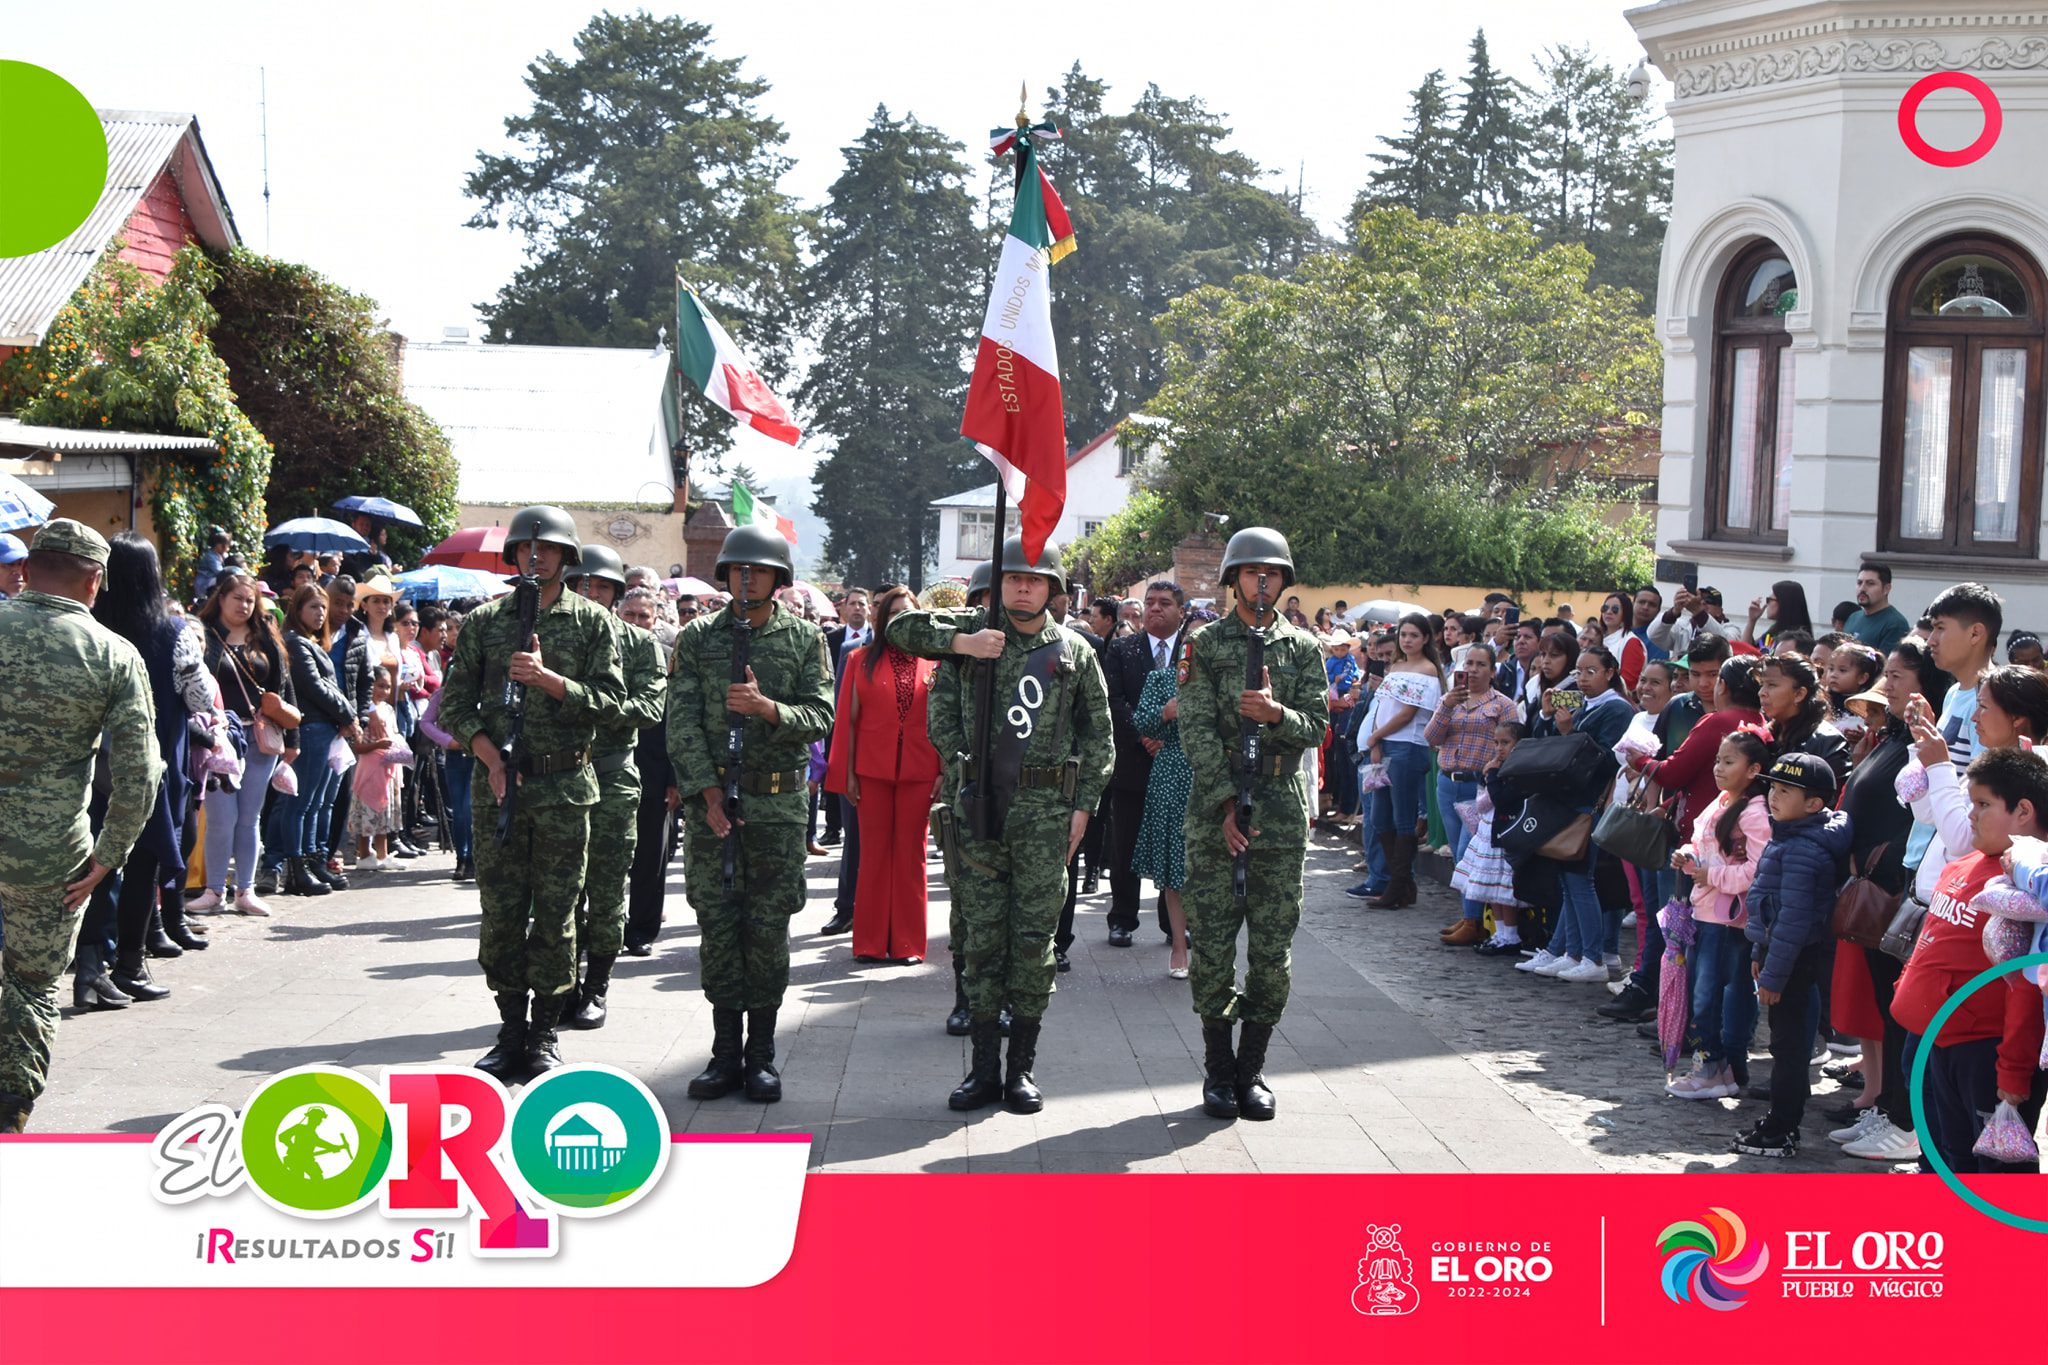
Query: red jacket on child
(1949, 952)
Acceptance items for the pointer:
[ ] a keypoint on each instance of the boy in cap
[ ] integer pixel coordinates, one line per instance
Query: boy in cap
(1790, 904)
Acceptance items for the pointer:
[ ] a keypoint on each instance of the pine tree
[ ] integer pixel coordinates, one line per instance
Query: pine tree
(1425, 170)
(1492, 136)
(894, 301)
(1603, 177)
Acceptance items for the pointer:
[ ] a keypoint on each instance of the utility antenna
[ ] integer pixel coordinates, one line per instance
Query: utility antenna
(263, 104)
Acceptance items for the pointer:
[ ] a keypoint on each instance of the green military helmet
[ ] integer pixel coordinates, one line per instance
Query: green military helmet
(1048, 565)
(977, 583)
(755, 545)
(1258, 545)
(601, 561)
(548, 525)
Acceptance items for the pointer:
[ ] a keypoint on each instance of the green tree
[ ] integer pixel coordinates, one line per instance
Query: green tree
(641, 151)
(315, 371)
(1426, 168)
(1493, 139)
(1395, 409)
(1603, 176)
(894, 300)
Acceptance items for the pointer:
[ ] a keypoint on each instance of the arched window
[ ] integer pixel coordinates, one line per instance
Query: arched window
(1750, 435)
(1962, 402)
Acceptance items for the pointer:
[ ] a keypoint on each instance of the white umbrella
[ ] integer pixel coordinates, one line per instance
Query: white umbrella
(21, 506)
(1384, 611)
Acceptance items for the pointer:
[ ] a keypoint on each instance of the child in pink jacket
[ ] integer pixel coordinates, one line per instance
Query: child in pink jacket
(1727, 840)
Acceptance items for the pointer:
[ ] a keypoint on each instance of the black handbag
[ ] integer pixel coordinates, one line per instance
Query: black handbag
(1635, 835)
(1574, 768)
(1905, 929)
(1543, 828)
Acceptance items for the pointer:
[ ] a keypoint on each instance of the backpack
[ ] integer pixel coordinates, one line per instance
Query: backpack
(1575, 769)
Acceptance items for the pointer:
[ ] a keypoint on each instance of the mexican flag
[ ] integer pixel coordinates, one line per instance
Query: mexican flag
(747, 510)
(1014, 416)
(710, 360)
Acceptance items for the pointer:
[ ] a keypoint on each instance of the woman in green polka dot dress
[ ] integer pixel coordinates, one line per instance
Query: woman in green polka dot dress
(1162, 840)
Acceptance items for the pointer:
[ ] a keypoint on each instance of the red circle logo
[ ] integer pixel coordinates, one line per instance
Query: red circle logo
(1909, 115)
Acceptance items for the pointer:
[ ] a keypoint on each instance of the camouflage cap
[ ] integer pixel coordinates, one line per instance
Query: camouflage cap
(67, 537)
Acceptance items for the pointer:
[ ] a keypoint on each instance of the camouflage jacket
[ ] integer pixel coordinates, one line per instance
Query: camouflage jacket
(950, 720)
(788, 659)
(87, 682)
(577, 640)
(1212, 677)
(646, 690)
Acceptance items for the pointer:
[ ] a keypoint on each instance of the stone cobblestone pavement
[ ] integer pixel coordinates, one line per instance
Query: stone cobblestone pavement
(1395, 1054)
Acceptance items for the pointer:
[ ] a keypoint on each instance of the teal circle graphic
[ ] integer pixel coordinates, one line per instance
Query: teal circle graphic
(1916, 1088)
(297, 1185)
(53, 158)
(588, 1164)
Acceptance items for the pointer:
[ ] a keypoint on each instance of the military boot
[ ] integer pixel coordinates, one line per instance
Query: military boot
(763, 1081)
(961, 1021)
(91, 987)
(543, 1048)
(723, 1076)
(984, 1083)
(1219, 1070)
(1254, 1100)
(131, 975)
(14, 1112)
(1020, 1093)
(507, 1060)
(589, 1011)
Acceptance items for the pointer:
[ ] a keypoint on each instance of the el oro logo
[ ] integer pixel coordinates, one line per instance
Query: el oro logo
(583, 1141)
(1711, 1261)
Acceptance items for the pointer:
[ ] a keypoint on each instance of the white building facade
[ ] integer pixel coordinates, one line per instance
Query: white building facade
(1098, 486)
(1852, 301)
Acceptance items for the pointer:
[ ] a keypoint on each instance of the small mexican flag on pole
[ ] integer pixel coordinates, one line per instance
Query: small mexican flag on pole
(709, 359)
(747, 510)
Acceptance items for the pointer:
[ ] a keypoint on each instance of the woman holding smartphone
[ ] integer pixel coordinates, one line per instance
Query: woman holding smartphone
(1462, 732)
(1394, 735)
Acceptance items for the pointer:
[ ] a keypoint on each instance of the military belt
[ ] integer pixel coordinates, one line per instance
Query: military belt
(546, 765)
(1271, 764)
(611, 763)
(1065, 777)
(772, 784)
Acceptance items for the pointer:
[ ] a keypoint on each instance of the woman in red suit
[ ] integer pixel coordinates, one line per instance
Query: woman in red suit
(884, 763)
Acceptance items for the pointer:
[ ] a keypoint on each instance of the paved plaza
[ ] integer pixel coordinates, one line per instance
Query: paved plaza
(1396, 1054)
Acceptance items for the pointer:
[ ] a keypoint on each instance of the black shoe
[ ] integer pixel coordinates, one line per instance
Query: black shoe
(316, 868)
(1254, 1100)
(507, 1058)
(14, 1112)
(1647, 1031)
(830, 838)
(1760, 1091)
(401, 849)
(1060, 958)
(1119, 938)
(1763, 1141)
(1842, 1115)
(543, 1045)
(589, 1011)
(984, 1083)
(1020, 1093)
(1219, 1070)
(1489, 948)
(267, 880)
(763, 1082)
(91, 987)
(155, 941)
(131, 976)
(722, 1076)
(839, 923)
(465, 870)
(961, 1021)
(1632, 1006)
(639, 950)
(300, 881)
(1090, 884)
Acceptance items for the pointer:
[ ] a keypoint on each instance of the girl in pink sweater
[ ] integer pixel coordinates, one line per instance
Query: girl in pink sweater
(1721, 860)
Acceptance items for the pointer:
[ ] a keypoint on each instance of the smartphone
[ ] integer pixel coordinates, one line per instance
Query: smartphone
(1512, 616)
(1570, 699)
(1692, 581)
(1376, 668)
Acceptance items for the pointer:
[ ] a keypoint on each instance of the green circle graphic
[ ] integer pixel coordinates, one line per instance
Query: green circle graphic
(1916, 1090)
(53, 158)
(596, 1188)
(270, 1171)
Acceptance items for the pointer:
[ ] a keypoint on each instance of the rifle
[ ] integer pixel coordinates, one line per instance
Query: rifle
(526, 604)
(736, 728)
(1248, 743)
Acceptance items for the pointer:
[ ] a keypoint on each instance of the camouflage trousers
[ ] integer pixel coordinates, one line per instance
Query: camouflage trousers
(743, 934)
(1271, 913)
(1007, 905)
(529, 888)
(41, 935)
(614, 834)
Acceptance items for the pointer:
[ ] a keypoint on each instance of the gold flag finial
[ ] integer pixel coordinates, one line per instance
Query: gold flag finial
(1023, 102)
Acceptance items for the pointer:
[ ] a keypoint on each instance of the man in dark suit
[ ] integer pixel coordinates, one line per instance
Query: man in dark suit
(853, 625)
(1125, 663)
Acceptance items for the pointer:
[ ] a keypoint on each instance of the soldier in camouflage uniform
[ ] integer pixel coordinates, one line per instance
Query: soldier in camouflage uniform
(1050, 701)
(89, 683)
(1292, 710)
(942, 717)
(615, 820)
(529, 885)
(786, 702)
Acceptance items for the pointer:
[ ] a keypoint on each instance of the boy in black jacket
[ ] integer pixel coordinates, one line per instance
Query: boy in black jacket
(1790, 905)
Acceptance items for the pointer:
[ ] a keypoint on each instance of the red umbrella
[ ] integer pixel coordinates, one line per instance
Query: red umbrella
(473, 547)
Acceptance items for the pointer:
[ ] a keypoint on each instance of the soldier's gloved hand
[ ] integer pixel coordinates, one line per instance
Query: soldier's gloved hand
(1258, 704)
(980, 644)
(714, 810)
(1233, 838)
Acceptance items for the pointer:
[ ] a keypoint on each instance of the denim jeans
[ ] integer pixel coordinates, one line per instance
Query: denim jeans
(231, 821)
(1724, 997)
(1578, 921)
(1448, 794)
(1368, 834)
(460, 768)
(1401, 800)
(284, 833)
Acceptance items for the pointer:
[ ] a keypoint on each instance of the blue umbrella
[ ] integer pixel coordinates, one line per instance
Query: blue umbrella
(21, 506)
(439, 582)
(382, 508)
(315, 534)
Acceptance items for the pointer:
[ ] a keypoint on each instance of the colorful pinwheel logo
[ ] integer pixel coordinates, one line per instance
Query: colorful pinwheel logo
(1711, 1261)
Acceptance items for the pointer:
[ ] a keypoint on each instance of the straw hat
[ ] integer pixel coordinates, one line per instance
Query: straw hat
(1871, 705)
(377, 585)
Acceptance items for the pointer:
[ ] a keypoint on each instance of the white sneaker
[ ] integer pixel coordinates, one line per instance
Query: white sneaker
(1861, 1128)
(374, 864)
(1848, 1049)
(1617, 987)
(1587, 970)
(246, 903)
(1613, 963)
(1557, 966)
(1885, 1143)
(1537, 961)
(208, 902)
(1628, 921)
